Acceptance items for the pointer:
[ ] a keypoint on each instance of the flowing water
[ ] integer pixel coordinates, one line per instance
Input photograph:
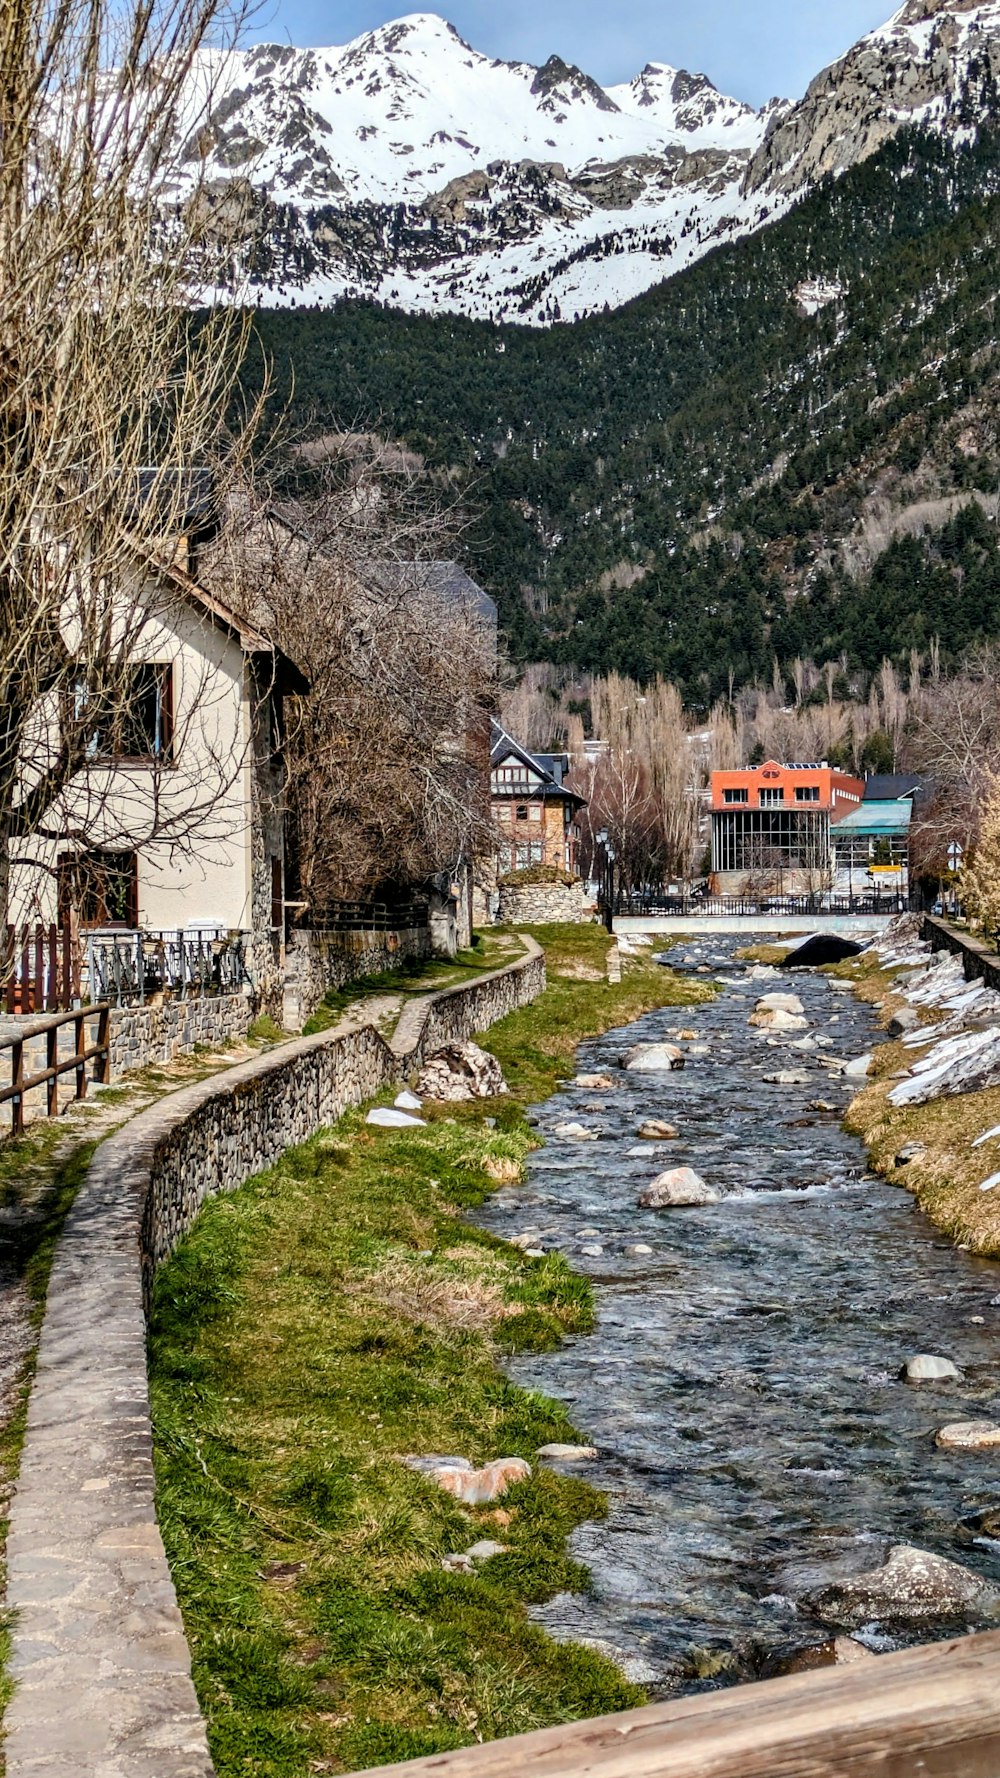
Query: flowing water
(742, 1383)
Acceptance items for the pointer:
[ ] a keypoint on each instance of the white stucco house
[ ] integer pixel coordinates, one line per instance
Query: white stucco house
(174, 822)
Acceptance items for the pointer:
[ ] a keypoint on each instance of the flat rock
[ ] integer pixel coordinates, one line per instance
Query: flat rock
(908, 1587)
(638, 1250)
(407, 1101)
(787, 1077)
(858, 1066)
(575, 1133)
(927, 1367)
(678, 1188)
(390, 1119)
(968, 1435)
(767, 1018)
(779, 1003)
(652, 1058)
(594, 1083)
(485, 1549)
(906, 1019)
(821, 1105)
(591, 1250)
(656, 1129)
(567, 1453)
(473, 1487)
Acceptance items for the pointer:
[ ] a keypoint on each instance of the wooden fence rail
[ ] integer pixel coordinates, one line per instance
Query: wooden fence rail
(39, 969)
(49, 1076)
(931, 1712)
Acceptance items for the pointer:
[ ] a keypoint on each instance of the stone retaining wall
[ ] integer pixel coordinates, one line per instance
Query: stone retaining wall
(315, 962)
(157, 1033)
(99, 1660)
(979, 960)
(541, 904)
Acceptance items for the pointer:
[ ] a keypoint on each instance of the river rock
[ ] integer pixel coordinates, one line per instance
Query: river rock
(767, 1018)
(779, 1003)
(858, 1066)
(837, 1651)
(926, 1367)
(473, 1487)
(787, 1077)
(656, 1129)
(906, 1019)
(821, 1105)
(594, 1083)
(567, 1453)
(461, 1071)
(591, 1251)
(910, 1151)
(575, 1133)
(679, 1188)
(638, 1250)
(968, 1435)
(385, 1118)
(652, 1058)
(908, 1587)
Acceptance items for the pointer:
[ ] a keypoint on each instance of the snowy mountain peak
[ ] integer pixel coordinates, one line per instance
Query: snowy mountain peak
(409, 167)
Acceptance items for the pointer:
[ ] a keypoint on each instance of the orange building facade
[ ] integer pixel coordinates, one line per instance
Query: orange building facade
(772, 826)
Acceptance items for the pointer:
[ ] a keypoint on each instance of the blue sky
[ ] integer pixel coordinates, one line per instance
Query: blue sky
(753, 49)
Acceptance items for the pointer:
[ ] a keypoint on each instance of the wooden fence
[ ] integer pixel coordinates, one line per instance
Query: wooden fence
(22, 1083)
(39, 969)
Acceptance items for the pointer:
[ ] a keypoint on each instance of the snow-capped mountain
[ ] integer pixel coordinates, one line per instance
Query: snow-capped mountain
(408, 167)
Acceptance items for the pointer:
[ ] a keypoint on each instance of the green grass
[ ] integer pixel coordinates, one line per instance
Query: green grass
(330, 1316)
(417, 976)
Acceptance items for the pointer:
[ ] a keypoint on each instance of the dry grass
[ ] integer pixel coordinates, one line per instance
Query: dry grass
(453, 1296)
(945, 1180)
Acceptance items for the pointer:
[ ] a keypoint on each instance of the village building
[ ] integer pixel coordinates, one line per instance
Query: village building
(773, 827)
(872, 844)
(534, 810)
(176, 823)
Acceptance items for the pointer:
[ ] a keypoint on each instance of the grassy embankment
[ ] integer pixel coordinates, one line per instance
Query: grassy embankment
(331, 1315)
(945, 1180)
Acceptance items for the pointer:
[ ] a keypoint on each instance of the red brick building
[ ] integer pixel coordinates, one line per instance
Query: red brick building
(773, 825)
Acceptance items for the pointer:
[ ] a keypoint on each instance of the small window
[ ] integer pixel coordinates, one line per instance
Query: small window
(807, 793)
(102, 888)
(140, 723)
(734, 796)
(522, 813)
(535, 812)
(771, 799)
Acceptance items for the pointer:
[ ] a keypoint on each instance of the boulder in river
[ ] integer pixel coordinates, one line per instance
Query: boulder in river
(656, 1129)
(779, 1003)
(906, 1019)
(652, 1058)
(575, 1133)
(594, 1083)
(679, 1188)
(775, 1018)
(567, 1453)
(968, 1435)
(927, 1367)
(909, 1586)
(820, 949)
(787, 1077)
(857, 1067)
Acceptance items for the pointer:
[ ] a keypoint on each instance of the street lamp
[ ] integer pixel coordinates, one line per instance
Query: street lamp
(608, 879)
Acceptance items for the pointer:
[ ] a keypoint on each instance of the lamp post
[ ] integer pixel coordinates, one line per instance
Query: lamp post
(607, 898)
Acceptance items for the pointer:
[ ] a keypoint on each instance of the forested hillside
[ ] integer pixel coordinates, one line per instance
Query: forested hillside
(712, 475)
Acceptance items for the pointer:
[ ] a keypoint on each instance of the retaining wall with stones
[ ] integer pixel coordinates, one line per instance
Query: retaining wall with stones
(980, 961)
(541, 904)
(101, 1667)
(315, 962)
(141, 1035)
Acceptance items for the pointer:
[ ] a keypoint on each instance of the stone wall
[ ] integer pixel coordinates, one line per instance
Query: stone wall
(157, 1033)
(980, 961)
(315, 962)
(541, 904)
(101, 1667)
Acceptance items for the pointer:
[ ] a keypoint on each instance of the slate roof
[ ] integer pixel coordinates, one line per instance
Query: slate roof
(887, 787)
(548, 766)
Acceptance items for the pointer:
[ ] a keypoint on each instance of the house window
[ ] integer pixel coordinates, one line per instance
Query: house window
(807, 793)
(770, 799)
(734, 796)
(141, 723)
(532, 853)
(535, 812)
(101, 887)
(522, 813)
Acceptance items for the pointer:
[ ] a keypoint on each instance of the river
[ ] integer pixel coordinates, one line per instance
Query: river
(742, 1385)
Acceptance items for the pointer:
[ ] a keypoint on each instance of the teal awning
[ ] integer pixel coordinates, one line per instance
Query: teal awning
(879, 820)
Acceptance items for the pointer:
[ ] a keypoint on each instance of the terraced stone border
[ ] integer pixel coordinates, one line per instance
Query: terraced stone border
(100, 1662)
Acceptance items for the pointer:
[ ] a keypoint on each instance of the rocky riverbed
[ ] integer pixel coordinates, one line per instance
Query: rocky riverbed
(774, 1482)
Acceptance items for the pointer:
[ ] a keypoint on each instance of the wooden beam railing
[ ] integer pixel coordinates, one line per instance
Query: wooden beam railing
(83, 1052)
(930, 1712)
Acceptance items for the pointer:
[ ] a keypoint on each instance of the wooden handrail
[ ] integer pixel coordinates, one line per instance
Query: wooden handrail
(49, 1076)
(930, 1712)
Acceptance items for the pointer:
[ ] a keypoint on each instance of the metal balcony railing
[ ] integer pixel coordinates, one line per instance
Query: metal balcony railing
(129, 968)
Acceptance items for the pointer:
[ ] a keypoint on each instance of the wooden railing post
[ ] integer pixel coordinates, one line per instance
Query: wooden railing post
(104, 1041)
(17, 1082)
(51, 1060)
(80, 1022)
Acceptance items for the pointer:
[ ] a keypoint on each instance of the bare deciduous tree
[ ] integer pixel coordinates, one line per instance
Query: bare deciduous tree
(112, 401)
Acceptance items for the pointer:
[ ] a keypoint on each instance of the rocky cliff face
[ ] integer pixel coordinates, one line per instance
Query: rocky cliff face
(408, 167)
